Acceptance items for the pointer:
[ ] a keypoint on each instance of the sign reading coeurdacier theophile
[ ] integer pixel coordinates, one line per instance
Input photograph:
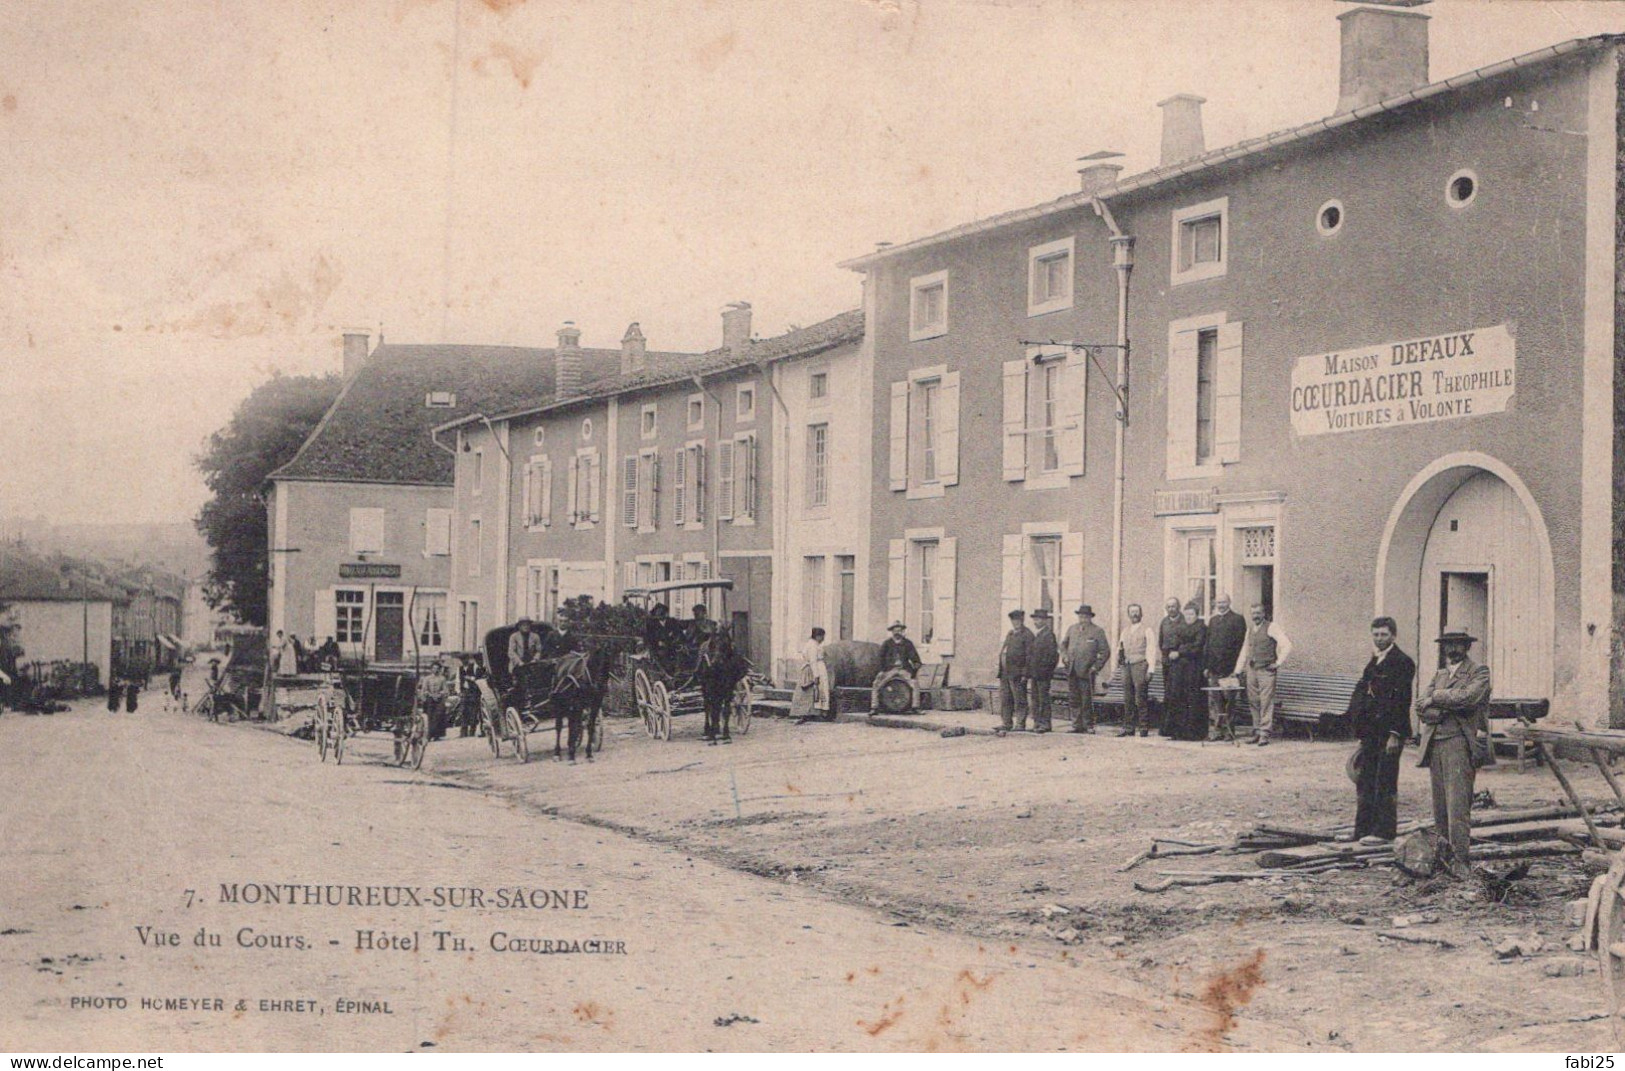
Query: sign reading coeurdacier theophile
(368, 570)
(1418, 381)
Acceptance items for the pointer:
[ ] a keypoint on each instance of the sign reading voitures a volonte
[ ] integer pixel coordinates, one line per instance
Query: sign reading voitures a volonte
(364, 570)
(1419, 381)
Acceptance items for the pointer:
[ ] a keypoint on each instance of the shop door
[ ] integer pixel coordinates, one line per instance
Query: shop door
(391, 626)
(1464, 605)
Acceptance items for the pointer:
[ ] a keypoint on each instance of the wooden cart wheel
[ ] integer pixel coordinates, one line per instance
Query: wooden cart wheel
(660, 700)
(643, 696)
(489, 727)
(321, 726)
(739, 708)
(1611, 943)
(418, 742)
(515, 726)
(403, 748)
(340, 730)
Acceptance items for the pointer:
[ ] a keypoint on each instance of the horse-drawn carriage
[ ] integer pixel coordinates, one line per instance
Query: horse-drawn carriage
(342, 703)
(566, 681)
(686, 666)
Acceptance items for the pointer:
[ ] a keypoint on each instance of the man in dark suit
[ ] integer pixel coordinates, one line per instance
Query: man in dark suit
(1226, 632)
(1085, 652)
(1014, 657)
(1381, 707)
(1454, 709)
(1042, 658)
(899, 660)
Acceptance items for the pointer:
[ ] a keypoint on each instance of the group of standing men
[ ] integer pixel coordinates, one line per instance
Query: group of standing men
(1204, 666)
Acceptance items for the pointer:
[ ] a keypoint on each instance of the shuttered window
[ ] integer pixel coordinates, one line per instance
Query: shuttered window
(1204, 395)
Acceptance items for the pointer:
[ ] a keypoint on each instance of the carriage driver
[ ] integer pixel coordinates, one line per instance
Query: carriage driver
(524, 647)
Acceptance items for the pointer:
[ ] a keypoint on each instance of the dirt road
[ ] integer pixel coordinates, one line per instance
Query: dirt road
(121, 829)
(1022, 839)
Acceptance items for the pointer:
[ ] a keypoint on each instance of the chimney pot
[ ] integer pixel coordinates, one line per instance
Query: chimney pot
(1182, 128)
(634, 348)
(355, 352)
(1384, 54)
(568, 369)
(736, 327)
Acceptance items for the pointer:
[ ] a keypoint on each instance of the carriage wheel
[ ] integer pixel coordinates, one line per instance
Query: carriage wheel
(418, 741)
(1611, 942)
(660, 701)
(339, 731)
(643, 695)
(321, 728)
(739, 709)
(488, 729)
(598, 737)
(515, 726)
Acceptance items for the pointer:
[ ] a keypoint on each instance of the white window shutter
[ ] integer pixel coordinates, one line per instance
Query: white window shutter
(574, 494)
(1227, 394)
(525, 510)
(326, 616)
(629, 575)
(1181, 400)
(1071, 572)
(1072, 412)
(1010, 577)
(942, 638)
(520, 587)
(679, 484)
(725, 480)
(594, 480)
(547, 491)
(629, 491)
(1015, 420)
(896, 571)
(948, 432)
(899, 436)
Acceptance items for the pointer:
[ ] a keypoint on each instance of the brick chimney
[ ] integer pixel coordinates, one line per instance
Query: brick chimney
(736, 326)
(568, 367)
(1182, 128)
(634, 348)
(1384, 54)
(355, 352)
(1098, 170)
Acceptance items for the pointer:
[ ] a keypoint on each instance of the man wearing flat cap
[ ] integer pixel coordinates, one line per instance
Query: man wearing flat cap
(1014, 658)
(899, 660)
(1084, 654)
(1042, 658)
(524, 646)
(1454, 711)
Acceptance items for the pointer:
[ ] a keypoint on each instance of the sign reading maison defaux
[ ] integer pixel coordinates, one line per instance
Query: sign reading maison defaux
(1418, 381)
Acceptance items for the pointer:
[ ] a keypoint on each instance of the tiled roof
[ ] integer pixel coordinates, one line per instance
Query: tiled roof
(378, 430)
(1251, 147)
(666, 369)
(26, 577)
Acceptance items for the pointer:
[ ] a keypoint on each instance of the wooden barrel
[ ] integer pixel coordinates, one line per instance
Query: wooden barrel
(852, 663)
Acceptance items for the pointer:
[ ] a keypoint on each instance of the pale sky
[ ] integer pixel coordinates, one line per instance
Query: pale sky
(196, 192)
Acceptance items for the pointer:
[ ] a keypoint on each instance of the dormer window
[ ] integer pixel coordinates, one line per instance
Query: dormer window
(1201, 241)
(928, 306)
(440, 399)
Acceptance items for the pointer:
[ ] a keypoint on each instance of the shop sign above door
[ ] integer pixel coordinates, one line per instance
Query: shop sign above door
(1418, 381)
(368, 571)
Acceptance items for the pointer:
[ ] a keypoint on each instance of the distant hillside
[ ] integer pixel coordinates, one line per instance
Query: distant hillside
(174, 547)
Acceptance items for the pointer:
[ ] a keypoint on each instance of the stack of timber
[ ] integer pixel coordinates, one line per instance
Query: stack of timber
(1284, 850)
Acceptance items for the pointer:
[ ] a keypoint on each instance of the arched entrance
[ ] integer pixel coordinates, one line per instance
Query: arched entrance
(1466, 547)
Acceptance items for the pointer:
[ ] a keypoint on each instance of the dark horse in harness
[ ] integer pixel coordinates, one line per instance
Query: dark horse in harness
(571, 683)
(720, 669)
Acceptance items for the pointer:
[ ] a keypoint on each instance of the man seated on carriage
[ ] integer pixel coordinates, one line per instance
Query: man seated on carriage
(524, 649)
(433, 692)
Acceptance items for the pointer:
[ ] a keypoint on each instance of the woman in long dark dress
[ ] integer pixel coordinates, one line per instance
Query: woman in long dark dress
(1187, 704)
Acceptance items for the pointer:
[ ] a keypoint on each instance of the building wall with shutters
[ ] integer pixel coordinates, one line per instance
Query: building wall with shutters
(1404, 264)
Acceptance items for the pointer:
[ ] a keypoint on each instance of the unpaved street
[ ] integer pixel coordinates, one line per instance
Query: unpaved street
(112, 822)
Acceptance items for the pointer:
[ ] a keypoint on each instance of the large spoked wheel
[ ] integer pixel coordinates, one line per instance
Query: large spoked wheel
(402, 744)
(516, 729)
(660, 699)
(417, 742)
(739, 709)
(643, 695)
(339, 731)
(1611, 943)
(320, 726)
(598, 737)
(488, 726)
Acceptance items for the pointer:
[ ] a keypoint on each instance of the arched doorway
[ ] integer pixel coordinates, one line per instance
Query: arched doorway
(1466, 547)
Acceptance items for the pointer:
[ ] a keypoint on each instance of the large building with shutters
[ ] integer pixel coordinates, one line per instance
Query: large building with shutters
(1372, 372)
(666, 467)
(361, 533)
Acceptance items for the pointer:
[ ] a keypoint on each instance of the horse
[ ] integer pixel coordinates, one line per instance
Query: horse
(721, 668)
(580, 682)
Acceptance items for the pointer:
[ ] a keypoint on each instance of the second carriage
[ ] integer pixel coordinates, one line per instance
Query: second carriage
(666, 665)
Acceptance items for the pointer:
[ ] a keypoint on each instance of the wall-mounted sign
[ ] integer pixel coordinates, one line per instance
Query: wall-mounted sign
(368, 571)
(1175, 503)
(1418, 381)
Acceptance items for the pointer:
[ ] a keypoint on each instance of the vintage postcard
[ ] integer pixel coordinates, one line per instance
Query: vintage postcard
(847, 525)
